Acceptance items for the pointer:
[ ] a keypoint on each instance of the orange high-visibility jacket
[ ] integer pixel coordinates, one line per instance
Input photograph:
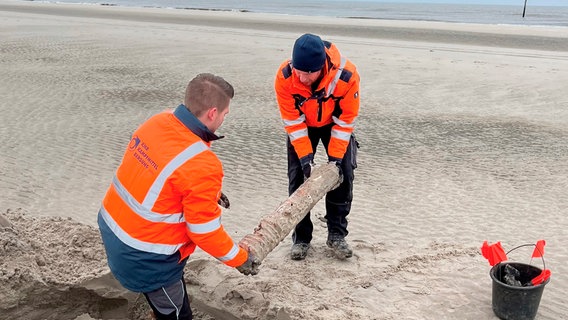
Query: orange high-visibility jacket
(336, 100)
(163, 200)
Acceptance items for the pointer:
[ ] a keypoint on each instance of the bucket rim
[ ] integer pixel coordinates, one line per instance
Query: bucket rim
(494, 278)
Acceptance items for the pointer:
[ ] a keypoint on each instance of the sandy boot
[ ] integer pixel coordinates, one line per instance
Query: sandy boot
(340, 248)
(299, 251)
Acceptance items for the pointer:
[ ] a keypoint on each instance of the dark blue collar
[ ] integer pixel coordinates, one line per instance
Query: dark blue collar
(193, 124)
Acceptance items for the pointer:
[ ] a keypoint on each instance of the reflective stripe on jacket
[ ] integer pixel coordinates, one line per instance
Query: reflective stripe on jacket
(162, 202)
(336, 100)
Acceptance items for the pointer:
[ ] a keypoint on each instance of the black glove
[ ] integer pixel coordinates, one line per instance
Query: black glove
(224, 201)
(337, 162)
(307, 169)
(250, 267)
(307, 164)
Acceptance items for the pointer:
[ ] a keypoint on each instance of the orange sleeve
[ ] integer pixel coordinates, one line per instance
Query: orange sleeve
(294, 120)
(203, 214)
(345, 123)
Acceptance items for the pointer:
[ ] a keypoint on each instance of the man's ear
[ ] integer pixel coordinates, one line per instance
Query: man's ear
(212, 113)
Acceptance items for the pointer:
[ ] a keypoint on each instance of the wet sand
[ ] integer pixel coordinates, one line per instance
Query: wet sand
(463, 133)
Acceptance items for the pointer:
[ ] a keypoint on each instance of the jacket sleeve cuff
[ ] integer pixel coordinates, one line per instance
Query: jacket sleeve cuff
(307, 159)
(333, 159)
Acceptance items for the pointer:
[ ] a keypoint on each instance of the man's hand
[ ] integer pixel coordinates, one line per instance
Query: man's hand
(224, 201)
(250, 266)
(307, 169)
(307, 163)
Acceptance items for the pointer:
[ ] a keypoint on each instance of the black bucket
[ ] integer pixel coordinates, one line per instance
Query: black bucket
(516, 302)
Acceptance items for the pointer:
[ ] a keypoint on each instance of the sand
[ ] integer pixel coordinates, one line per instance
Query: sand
(463, 132)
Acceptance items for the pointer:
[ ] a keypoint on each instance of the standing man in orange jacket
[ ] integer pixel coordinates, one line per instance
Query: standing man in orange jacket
(318, 95)
(163, 201)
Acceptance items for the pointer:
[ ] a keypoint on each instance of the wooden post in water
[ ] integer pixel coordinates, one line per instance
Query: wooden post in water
(274, 227)
(524, 8)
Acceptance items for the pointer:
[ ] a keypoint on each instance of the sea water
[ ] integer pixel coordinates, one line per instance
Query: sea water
(372, 9)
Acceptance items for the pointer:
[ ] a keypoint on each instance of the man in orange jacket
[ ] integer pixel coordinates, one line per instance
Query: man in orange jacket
(163, 201)
(318, 96)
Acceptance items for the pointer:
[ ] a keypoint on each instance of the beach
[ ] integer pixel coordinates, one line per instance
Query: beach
(463, 131)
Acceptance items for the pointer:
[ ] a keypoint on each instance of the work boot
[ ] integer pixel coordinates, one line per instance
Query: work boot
(340, 248)
(299, 251)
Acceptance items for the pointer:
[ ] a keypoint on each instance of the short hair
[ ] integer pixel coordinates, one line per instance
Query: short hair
(205, 91)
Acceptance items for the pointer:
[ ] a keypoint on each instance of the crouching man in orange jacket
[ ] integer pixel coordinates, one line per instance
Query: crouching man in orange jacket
(163, 201)
(318, 96)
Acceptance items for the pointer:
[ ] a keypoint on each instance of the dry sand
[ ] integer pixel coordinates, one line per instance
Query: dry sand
(464, 135)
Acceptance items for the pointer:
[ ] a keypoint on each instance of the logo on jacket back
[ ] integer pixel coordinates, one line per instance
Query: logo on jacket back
(134, 143)
(140, 150)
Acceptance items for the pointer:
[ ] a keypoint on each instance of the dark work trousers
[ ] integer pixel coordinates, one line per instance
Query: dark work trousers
(171, 302)
(338, 201)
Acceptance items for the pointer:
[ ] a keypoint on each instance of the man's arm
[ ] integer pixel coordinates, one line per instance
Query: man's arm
(344, 123)
(203, 215)
(294, 120)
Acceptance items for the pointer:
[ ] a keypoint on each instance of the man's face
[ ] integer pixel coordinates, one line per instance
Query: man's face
(218, 118)
(307, 78)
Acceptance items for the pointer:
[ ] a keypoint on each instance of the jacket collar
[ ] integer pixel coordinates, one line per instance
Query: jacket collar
(194, 125)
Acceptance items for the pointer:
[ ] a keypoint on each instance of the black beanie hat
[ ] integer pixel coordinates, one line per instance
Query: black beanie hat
(309, 53)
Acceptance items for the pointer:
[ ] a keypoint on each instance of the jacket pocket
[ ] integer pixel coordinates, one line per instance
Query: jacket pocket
(354, 147)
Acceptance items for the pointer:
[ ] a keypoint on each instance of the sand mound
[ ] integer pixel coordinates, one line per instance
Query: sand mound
(55, 268)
